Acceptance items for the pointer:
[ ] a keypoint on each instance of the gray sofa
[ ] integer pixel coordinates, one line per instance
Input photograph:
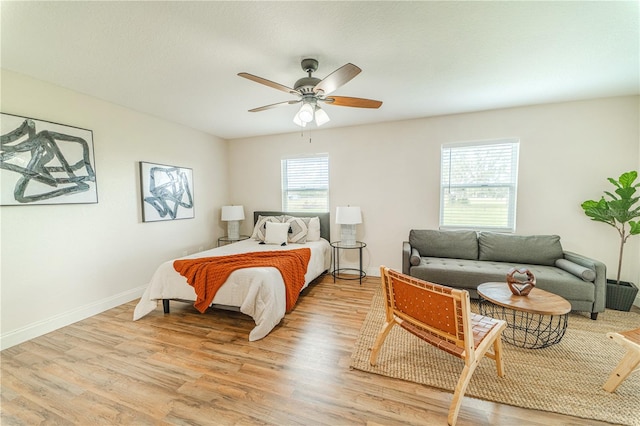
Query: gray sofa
(466, 259)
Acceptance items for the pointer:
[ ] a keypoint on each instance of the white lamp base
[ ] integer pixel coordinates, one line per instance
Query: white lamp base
(233, 229)
(348, 235)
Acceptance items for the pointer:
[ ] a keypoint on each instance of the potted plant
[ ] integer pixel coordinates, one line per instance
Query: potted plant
(618, 210)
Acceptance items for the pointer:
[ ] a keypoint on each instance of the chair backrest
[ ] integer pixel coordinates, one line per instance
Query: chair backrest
(438, 314)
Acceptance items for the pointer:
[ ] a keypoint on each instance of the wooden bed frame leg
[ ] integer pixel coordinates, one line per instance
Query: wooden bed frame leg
(165, 305)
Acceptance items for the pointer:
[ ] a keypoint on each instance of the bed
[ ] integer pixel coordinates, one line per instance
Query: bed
(258, 292)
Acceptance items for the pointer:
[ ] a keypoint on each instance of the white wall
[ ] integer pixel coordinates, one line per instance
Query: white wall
(62, 263)
(391, 170)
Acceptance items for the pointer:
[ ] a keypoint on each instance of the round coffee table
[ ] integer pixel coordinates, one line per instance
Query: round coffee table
(534, 321)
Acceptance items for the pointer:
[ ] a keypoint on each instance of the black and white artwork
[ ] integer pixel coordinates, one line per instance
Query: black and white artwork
(45, 163)
(167, 192)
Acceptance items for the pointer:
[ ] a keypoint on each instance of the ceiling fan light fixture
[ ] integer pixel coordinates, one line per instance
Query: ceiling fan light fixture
(298, 122)
(306, 113)
(321, 116)
(310, 90)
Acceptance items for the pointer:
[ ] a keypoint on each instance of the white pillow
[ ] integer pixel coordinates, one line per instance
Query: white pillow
(298, 229)
(259, 229)
(314, 229)
(276, 233)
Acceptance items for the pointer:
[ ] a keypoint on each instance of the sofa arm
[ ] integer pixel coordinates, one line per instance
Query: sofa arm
(601, 278)
(406, 256)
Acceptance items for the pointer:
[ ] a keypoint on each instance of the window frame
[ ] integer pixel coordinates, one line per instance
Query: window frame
(511, 185)
(285, 183)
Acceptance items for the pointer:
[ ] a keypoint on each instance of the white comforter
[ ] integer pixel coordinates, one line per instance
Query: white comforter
(258, 292)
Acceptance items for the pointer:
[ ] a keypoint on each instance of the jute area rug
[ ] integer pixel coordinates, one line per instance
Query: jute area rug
(565, 378)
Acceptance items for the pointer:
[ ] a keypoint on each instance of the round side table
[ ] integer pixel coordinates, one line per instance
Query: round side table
(339, 245)
(534, 321)
(229, 240)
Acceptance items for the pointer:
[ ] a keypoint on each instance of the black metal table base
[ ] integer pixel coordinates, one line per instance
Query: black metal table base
(356, 274)
(524, 329)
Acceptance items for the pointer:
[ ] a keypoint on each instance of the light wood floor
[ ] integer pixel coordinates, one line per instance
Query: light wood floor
(188, 368)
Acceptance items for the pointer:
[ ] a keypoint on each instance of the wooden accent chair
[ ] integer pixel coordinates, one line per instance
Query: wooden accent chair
(441, 316)
(629, 363)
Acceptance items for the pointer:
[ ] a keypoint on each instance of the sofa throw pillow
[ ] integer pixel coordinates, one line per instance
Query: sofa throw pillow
(452, 244)
(530, 249)
(578, 270)
(414, 260)
(298, 229)
(276, 233)
(260, 228)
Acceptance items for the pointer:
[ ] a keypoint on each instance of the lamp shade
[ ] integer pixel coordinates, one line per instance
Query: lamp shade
(348, 215)
(321, 116)
(232, 213)
(306, 113)
(298, 122)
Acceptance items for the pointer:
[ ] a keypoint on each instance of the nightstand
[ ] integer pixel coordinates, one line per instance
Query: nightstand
(339, 245)
(227, 240)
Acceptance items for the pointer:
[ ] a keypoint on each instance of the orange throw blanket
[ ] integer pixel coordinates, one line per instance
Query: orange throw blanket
(206, 275)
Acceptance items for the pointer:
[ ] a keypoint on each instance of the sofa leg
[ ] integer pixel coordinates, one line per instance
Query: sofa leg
(594, 316)
(165, 306)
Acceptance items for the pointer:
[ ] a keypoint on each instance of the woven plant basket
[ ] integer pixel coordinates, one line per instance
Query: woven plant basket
(621, 296)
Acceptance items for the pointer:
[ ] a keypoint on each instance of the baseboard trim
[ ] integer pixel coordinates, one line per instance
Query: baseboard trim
(373, 272)
(39, 328)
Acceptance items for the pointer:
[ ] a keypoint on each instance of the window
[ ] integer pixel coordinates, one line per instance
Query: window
(478, 185)
(305, 183)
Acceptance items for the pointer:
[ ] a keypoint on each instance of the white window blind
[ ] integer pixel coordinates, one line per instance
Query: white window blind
(305, 183)
(479, 185)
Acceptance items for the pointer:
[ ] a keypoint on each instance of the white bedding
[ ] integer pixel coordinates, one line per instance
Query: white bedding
(258, 292)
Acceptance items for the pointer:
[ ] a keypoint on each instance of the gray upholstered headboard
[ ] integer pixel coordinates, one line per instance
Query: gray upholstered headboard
(325, 221)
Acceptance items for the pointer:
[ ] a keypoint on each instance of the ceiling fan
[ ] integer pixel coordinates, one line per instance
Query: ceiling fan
(311, 91)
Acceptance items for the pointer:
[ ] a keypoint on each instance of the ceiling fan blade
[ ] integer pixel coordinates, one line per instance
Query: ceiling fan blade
(262, 108)
(339, 77)
(269, 83)
(352, 102)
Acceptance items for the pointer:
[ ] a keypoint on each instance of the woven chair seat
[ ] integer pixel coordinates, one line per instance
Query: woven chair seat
(481, 327)
(442, 317)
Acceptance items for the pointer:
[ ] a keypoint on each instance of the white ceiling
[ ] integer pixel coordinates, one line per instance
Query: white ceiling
(179, 60)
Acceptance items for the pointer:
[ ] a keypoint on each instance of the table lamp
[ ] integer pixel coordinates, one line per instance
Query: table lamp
(348, 217)
(233, 215)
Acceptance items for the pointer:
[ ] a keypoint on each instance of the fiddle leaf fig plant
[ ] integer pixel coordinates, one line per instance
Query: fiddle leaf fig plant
(618, 210)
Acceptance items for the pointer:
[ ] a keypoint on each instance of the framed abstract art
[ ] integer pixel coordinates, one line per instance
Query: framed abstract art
(167, 192)
(45, 163)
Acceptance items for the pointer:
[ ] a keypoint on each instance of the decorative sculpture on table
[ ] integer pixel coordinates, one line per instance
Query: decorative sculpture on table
(519, 287)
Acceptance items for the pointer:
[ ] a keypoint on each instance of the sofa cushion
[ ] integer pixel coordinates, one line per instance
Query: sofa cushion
(449, 244)
(577, 270)
(532, 249)
(468, 274)
(415, 257)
